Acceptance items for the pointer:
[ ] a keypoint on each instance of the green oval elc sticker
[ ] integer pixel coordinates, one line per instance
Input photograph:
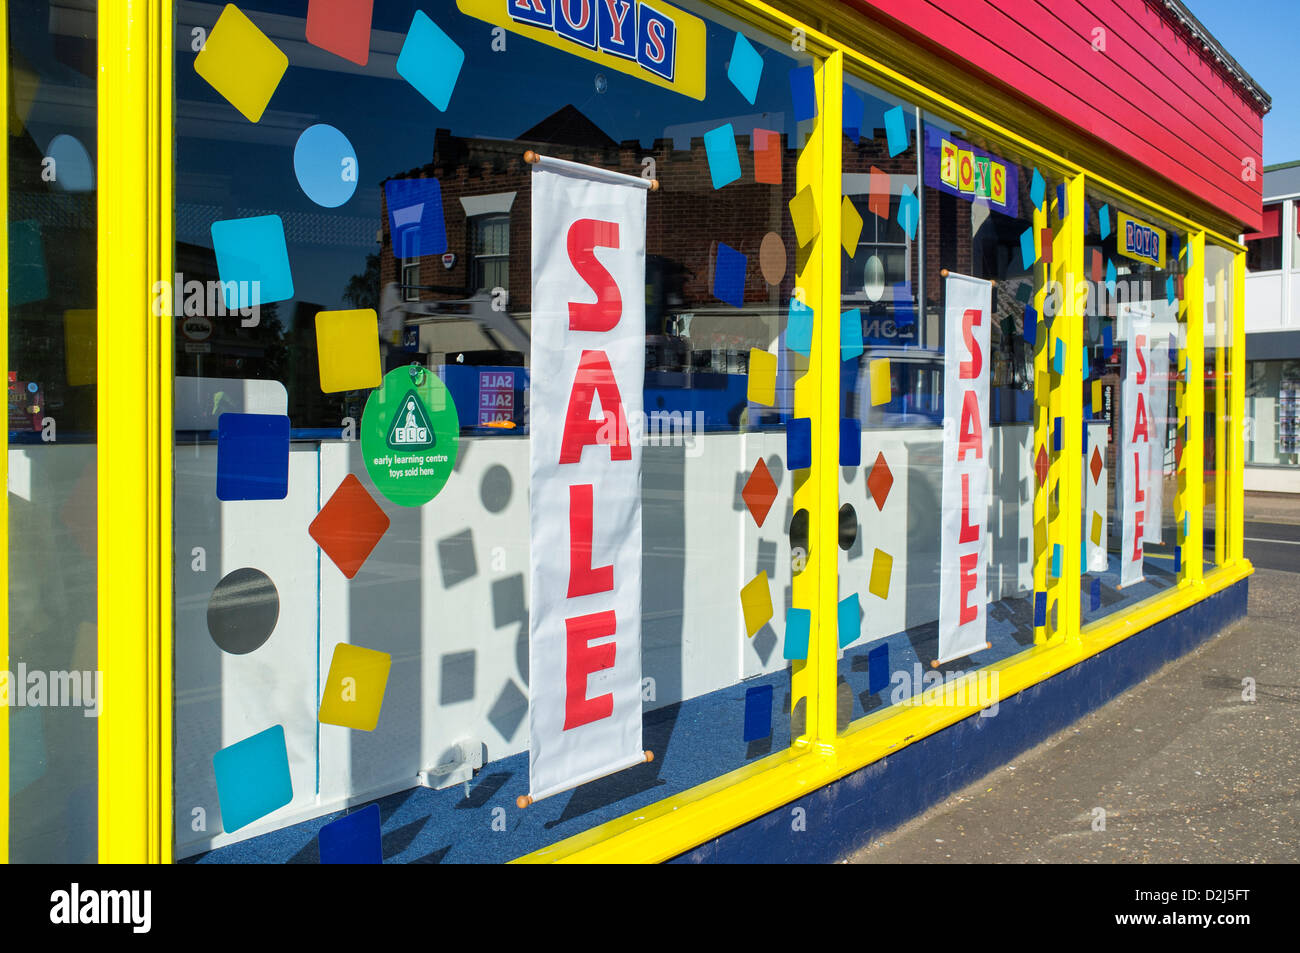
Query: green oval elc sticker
(409, 435)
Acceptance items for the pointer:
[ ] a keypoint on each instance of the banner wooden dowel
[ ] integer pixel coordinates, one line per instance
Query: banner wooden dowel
(532, 158)
(943, 273)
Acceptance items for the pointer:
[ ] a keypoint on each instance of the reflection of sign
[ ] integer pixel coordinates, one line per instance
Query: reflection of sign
(964, 539)
(196, 328)
(1140, 241)
(449, 260)
(649, 40)
(883, 332)
(587, 375)
(496, 396)
(409, 436)
(959, 168)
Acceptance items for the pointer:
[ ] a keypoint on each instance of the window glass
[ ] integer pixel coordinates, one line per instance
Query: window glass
(1134, 404)
(1273, 409)
(1218, 399)
(921, 222)
(54, 692)
(436, 238)
(1264, 247)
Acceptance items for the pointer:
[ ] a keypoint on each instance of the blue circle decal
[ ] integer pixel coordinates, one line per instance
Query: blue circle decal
(326, 165)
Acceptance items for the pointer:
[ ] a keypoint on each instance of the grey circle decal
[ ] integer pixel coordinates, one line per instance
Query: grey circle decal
(495, 488)
(243, 610)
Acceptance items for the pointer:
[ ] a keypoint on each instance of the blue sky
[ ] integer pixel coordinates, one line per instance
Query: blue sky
(1261, 35)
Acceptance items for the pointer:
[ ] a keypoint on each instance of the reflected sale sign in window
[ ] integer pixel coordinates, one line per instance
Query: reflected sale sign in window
(496, 396)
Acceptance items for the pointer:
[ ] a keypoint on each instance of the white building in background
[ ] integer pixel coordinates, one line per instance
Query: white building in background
(1273, 337)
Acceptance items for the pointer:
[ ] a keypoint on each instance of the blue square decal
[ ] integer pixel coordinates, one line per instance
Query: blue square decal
(878, 668)
(798, 443)
(896, 131)
(798, 625)
(799, 327)
(352, 839)
(1040, 608)
(850, 442)
(415, 217)
(758, 712)
(804, 91)
(855, 109)
(745, 68)
(252, 778)
(252, 457)
(849, 621)
(724, 161)
(252, 260)
(431, 60)
(851, 334)
(729, 269)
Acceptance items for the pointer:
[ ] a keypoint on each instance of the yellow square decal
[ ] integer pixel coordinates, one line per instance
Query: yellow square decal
(756, 600)
(1096, 397)
(354, 689)
(803, 212)
(882, 568)
(241, 63)
(1096, 528)
(347, 350)
(762, 377)
(80, 336)
(850, 227)
(880, 386)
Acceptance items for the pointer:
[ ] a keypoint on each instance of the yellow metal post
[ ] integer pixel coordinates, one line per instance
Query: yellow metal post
(817, 396)
(135, 390)
(1044, 517)
(1237, 419)
(1191, 482)
(4, 444)
(1220, 416)
(1067, 330)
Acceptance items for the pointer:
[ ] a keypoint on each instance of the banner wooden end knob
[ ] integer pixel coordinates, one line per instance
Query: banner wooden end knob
(649, 756)
(523, 801)
(531, 157)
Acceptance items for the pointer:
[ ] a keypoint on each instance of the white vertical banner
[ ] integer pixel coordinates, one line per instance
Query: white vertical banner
(1095, 489)
(1135, 444)
(964, 546)
(1159, 397)
(587, 375)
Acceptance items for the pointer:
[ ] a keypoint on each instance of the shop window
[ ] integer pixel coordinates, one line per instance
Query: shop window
(490, 248)
(411, 281)
(1264, 247)
(1272, 396)
(1135, 396)
(445, 596)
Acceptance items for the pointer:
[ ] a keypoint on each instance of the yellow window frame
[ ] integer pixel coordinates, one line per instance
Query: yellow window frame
(135, 469)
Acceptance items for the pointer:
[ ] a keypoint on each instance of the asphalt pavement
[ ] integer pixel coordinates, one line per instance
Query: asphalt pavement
(1196, 764)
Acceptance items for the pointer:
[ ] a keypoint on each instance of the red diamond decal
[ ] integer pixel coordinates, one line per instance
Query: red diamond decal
(1095, 464)
(1040, 466)
(880, 480)
(759, 492)
(349, 526)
